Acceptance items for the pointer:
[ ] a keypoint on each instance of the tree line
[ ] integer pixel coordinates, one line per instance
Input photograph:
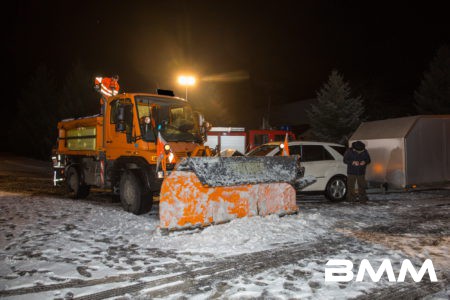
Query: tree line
(43, 102)
(336, 115)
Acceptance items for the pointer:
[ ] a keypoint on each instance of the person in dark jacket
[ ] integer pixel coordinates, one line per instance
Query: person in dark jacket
(356, 158)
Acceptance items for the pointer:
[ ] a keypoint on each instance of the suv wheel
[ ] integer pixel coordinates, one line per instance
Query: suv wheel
(336, 189)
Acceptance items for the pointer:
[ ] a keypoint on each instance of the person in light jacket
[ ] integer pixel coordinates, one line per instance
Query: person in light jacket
(356, 158)
(107, 87)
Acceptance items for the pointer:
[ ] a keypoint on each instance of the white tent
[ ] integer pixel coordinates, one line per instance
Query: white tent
(407, 151)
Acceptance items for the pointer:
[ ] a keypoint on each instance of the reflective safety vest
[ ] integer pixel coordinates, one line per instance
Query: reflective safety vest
(108, 86)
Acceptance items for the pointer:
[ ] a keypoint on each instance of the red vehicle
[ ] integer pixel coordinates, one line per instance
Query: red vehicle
(238, 138)
(259, 137)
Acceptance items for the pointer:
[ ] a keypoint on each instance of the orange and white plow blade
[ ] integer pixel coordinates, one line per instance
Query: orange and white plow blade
(186, 203)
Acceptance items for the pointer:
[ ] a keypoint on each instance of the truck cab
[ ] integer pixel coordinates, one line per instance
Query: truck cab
(118, 149)
(134, 120)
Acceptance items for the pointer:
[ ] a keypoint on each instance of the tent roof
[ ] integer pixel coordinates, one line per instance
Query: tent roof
(389, 128)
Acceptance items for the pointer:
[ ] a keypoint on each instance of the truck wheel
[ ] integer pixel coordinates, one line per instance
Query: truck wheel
(336, 189)
(133, 196)
(75, 188)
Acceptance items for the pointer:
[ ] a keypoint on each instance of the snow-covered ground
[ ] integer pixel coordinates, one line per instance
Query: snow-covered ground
(52, 247)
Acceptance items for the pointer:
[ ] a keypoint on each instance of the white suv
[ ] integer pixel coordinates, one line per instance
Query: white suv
(324, 161)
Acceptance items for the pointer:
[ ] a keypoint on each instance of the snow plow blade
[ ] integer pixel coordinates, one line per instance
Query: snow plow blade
(212, 190)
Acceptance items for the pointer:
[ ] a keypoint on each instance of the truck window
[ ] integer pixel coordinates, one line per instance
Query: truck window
(180, 120)
(177, 113)
(128, 119)
(173, 118)
(261, 139)
(114, 104)
(282, 137)
(145, 111)
(148, 131)
(279, 137)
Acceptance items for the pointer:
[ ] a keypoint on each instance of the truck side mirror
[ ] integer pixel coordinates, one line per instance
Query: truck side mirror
(147, 127)
(203, 125)
(200, 118)
(208, 126)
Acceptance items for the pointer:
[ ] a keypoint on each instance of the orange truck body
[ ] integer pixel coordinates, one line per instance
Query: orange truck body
(113, 143)
(99, 152)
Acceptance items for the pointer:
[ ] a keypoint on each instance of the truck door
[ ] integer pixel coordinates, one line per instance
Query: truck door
(119, 128)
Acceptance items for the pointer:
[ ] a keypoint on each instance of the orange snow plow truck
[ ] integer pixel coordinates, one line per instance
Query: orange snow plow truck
(118, 150)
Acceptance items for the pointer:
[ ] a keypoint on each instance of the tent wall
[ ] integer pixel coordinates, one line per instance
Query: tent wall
(388, 161)
(409, 150)
(427, 151)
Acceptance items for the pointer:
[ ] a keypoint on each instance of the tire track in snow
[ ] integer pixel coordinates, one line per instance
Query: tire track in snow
(189, 280)
(405, 291)
(227, 269)
(241, 262)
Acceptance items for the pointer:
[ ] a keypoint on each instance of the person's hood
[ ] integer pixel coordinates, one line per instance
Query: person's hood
(358, 146)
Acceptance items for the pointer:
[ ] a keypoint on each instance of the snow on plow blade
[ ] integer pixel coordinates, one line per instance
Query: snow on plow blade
(212, 190)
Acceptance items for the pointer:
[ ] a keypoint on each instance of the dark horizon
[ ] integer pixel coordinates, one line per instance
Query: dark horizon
(287, 49)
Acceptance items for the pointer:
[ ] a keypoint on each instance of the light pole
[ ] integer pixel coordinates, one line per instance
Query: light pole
(186, 81)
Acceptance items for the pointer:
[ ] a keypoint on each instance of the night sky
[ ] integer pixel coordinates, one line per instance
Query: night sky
(282, 50)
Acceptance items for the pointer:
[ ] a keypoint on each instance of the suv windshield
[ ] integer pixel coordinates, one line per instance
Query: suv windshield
(262, 150)
(173, 118)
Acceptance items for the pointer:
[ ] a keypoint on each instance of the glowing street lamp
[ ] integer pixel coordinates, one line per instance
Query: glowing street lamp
(186, 81)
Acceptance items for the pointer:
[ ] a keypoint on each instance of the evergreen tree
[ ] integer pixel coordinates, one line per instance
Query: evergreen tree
(35, 126)
(78, 98)
(336, 115)
(433, 96)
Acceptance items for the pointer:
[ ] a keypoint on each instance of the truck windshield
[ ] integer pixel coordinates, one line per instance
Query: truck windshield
(172, 117)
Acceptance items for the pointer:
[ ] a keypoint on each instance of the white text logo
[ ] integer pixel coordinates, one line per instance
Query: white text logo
(344, 268)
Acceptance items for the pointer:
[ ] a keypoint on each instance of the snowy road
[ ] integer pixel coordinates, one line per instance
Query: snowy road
(52, 247)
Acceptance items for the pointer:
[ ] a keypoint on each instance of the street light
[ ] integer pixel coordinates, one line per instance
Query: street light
(186, 81)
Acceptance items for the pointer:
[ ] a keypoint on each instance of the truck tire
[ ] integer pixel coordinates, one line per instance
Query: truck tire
(336, 189)
(133, 195)
(76, 189)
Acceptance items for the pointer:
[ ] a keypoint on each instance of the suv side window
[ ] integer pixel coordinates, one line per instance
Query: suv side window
(339, 149)
(315, 153)
(295, 150)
